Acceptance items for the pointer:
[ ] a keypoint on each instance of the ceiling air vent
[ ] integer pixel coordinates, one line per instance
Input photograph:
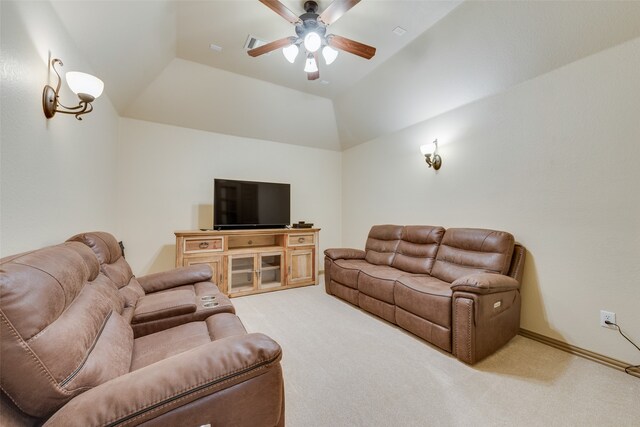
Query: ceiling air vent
(253, 42)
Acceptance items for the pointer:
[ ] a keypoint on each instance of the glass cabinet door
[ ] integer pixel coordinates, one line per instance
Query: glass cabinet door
(270, 269)
(242, 273)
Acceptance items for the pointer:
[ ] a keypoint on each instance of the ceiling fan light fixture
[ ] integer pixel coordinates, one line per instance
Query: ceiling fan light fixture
(329, 54)
(312, 41)
(290, 52)
(310, 65)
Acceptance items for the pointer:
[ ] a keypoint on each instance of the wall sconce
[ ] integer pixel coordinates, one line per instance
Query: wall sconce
(86, 86)
(432, 158)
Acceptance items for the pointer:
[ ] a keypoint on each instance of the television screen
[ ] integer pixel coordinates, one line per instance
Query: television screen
(246, 204)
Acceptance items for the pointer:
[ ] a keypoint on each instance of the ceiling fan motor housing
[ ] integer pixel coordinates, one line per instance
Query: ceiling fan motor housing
(310, 21)
(310, 7)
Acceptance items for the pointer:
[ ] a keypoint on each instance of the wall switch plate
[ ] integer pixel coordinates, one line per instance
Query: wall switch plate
(607, 315)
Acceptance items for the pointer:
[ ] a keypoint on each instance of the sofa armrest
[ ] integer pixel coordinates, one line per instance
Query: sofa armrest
(179, 383)
(485, 283)
(344, 253)
(176, 277)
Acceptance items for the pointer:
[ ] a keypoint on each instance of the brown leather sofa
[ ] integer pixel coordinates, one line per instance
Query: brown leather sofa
(458, 289)
(161, 300)
(69, 355)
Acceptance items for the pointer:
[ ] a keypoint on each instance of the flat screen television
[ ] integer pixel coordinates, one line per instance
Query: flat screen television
(247, 204)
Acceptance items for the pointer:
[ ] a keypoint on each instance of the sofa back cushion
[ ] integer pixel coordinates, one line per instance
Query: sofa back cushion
(466, 251)
(382, 243)
(61, 327)
(416, 251)
(107, 249)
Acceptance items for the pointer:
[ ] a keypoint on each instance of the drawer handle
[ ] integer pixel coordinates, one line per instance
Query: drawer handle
(204, 245)
(250, 242)
(300, 239)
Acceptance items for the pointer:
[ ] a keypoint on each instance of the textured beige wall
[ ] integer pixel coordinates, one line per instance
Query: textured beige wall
(166, 178)
(57, 176)
(554, 161)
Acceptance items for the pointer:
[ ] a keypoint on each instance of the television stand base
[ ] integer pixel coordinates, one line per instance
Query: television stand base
(251, 261)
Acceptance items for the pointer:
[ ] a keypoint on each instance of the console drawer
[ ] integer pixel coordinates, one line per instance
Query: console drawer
(238, 242)
(203, 244)
(301, 239)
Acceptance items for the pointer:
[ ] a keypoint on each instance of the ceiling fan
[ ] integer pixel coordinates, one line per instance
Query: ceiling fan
(311, 32)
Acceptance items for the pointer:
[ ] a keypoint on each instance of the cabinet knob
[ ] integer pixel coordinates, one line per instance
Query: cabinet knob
(204, 245)
(300, 239)
(250, 242)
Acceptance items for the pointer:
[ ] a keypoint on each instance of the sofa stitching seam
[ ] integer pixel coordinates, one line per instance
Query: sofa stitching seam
(470, 266)
(178, 392)
(471, 250)
(12, 399)
(188, 305)
(454, 326)
(190, 395)
(469, 333)
(31, 353)
(422, 292)
(77, 370)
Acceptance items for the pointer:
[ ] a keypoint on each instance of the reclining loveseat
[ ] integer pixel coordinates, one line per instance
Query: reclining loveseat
(157, 301)
(458, 289)
(69, 354)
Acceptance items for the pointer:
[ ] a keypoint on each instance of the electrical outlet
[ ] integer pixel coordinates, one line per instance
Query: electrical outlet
(607, 315)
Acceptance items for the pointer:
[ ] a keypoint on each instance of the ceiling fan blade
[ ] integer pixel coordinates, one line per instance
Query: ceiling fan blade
(281, 10)
(335, 10)
(351, 46)
(316, 74)
(261, 50)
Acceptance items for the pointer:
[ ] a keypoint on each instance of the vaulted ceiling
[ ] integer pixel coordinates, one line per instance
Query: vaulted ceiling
(157, 64)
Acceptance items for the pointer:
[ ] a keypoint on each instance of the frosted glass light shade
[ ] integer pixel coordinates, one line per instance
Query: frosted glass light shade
(312, 42)
(310, 65)
(84, 83)
(427, 149)
(290, 52)
(329, 54)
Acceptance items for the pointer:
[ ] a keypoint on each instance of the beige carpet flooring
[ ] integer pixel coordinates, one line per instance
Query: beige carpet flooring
(344, 367)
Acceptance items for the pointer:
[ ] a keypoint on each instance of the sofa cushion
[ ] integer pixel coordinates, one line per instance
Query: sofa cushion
(344, 292)
(466, 251)
(382, 243)
(379, 308)
(377, 281)
(107, 249)
(417, 248)
(61, 327)
(346, 271)
(426, 297)
(425, 329)
(161, 345)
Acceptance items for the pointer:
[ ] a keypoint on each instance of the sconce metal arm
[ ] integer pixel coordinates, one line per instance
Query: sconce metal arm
(51, 99)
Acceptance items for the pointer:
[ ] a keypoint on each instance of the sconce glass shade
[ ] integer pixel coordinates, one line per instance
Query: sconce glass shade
(312, 41)
(427, 149)
(290, 52)
(310, 65)
(83, 83)
(329, 54)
